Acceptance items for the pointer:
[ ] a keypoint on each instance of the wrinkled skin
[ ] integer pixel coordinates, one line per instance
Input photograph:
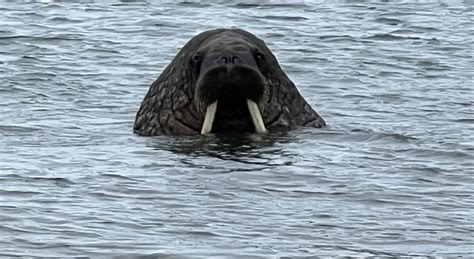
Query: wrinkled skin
(228, 65)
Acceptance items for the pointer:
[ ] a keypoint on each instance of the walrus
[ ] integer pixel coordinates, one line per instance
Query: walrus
(223, 81)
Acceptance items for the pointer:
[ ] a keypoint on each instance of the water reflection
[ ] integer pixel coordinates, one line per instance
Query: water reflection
(245, 148)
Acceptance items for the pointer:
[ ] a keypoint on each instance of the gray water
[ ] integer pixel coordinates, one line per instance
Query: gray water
(392, 175)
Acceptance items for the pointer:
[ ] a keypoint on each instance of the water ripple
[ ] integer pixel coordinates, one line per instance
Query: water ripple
(390, 176)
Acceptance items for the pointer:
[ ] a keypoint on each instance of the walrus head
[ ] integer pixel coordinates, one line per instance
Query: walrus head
(224, 80)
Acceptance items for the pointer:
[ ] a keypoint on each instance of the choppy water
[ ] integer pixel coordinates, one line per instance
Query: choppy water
(392, 175)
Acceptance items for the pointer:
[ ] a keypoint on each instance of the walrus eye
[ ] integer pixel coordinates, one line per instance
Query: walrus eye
(196, 58)
(259, 57)
(196, 61)
(260, 60)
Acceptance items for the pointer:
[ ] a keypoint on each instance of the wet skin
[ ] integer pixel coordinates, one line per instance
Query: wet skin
(223, 80)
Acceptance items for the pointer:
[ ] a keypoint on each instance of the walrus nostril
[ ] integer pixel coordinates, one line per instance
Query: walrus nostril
(230, 60)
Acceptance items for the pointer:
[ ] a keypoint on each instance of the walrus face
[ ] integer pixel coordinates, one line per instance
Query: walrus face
(230, 84)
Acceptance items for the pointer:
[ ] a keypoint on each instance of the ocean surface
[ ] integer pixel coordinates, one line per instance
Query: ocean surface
(392, 174)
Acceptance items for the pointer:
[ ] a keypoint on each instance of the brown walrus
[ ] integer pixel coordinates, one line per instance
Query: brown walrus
(223, 80)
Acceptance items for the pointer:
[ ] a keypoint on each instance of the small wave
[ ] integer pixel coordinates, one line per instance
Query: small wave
(57, 180)
(250, 4)
(391, 37)
(388, 21)
(369, 135)
(16, 129)
(64, 19)
(16, 193)
(284, 18)
(337, 38)
(465, 120)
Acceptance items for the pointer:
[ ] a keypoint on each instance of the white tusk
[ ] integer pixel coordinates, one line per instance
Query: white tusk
(209, 118)
(256, 117)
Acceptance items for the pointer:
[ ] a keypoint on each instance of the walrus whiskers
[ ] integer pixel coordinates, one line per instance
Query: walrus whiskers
(209, 118)
(256, 117)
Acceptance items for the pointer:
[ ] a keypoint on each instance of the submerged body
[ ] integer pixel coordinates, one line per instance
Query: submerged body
(223, 80)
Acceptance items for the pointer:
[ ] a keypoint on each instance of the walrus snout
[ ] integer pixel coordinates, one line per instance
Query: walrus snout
(224, 82)
(239, 90)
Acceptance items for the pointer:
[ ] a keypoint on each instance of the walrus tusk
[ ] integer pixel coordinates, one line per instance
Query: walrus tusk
(209, 118)
(254, 113)
(256, 117)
